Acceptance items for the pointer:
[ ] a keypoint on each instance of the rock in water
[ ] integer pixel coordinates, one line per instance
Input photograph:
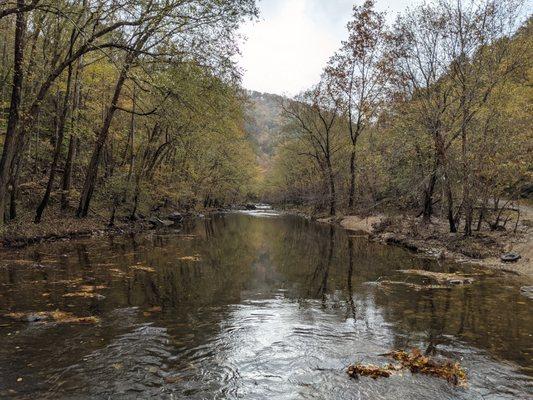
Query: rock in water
(154, 221)
(510, 257)
(159, 223)
(527, 291)
(176, 217)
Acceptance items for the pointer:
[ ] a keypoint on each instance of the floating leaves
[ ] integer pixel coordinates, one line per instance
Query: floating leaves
(372, 371)
(190, 258)
(415, 362)
(441, 277)
(87, 291)
(51, 316)
(142, 268)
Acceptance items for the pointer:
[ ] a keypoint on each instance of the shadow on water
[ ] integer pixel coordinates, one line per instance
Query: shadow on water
(236, 306)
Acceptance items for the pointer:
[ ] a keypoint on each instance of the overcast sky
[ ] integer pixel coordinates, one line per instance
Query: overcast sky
(287, 48)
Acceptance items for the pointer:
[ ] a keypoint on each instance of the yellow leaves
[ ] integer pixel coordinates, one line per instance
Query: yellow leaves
(86, 291)
(190, 258)
(52, 316)
(142, 268)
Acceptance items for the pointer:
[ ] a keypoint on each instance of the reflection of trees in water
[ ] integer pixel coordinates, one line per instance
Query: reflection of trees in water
(349, 285)
(483, 314)
(308, 259)
(324, 268)
(225, 256)
(319, 256)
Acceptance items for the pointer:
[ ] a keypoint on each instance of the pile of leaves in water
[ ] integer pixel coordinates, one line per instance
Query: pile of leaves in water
(87, 291)
(57, 316)
(415, 362)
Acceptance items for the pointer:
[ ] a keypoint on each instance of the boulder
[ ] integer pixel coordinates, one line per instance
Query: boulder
(250, 206)
(175, 217)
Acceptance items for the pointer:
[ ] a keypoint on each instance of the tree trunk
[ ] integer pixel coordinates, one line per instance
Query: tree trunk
(442, 162)
(57, 150)
(67, 173)
(92, 169)
(73, 141)
(449, 201)
(428, 198)
(332, 194)
(351, 199)
(10, 141)
(14, 192)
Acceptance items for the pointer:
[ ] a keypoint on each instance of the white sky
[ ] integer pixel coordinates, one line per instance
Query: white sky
(286, 50)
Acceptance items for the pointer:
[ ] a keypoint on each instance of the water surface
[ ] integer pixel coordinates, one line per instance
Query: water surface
(255, 306)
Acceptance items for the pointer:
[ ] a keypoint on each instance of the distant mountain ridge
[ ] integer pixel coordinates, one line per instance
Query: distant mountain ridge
(263, 122)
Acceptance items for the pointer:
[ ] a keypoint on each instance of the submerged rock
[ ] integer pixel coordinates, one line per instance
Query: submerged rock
(159, 223)
(527, 291)
(441, 277)
(510, 257)
(175, 217)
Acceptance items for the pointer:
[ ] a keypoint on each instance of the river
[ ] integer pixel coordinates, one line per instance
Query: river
(252, 305)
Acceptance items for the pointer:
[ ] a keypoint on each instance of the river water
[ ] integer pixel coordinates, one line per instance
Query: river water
(251, 305)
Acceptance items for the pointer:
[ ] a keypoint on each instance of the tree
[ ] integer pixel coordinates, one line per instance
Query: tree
(315, 114)
(212, 24)
(10, 141)
(358, 70)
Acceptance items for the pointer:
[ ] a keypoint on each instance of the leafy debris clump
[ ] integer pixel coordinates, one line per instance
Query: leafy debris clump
(415, 362)
(372, 371)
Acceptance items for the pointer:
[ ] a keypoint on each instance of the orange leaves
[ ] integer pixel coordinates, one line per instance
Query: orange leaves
(415, 362)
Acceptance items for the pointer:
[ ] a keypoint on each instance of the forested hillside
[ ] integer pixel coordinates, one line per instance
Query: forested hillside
(118, 107)
(430, 114)
(264, 122)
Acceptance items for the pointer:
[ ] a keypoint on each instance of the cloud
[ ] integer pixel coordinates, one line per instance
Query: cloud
(286, 51)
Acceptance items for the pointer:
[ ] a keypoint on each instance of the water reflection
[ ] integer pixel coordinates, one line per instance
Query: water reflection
(236, 306)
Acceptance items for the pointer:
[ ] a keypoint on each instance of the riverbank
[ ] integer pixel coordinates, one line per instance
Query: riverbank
(57, 225)
(434, 239)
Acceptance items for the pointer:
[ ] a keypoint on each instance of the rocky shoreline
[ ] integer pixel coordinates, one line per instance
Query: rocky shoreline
(57, 228)
(434, 241)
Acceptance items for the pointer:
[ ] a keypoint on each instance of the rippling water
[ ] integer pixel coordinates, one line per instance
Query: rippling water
(236, 306)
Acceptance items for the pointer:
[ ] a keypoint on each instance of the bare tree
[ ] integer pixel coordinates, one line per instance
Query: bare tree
(357, 69)
(315, 115)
